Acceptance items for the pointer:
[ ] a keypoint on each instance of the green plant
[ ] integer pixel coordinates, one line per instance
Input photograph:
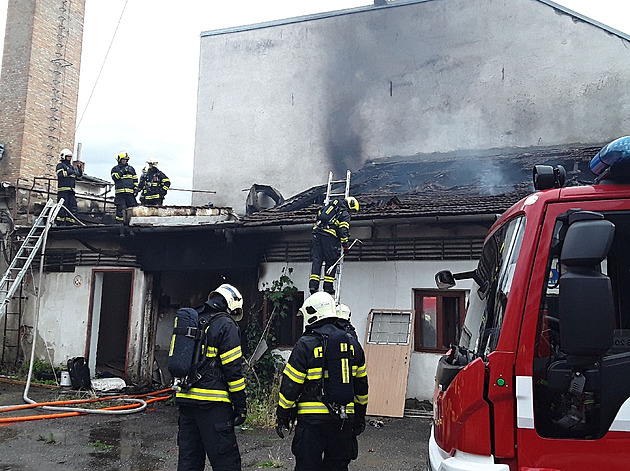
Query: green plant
(263, 377)
(100, 445)
(49, 440)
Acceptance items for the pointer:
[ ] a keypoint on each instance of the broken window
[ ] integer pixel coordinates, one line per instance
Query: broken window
(438, 321)
(390, 327)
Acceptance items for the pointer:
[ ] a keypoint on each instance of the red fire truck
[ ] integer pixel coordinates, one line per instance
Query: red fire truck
(540, 378)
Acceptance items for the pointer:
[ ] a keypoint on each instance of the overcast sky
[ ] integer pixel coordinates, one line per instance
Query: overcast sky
(141, 95)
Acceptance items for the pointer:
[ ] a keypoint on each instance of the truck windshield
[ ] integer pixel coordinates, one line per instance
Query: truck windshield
(489, 297)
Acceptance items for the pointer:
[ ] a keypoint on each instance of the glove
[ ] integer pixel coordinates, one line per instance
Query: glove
(345, 249)
(239, 418)
(358, 425)
(282, 424)
(284, 420)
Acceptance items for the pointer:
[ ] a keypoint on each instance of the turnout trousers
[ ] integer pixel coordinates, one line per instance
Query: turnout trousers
(324, 249)
(122, 202)
(207, 432)
(69, 201)
(325, 446)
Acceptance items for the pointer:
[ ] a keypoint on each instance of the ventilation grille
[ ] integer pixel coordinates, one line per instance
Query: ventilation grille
(452, 248)
(67, 260)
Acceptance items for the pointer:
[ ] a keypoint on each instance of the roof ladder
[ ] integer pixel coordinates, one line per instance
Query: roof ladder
(25, 255)
(334, 189)
(337, 187)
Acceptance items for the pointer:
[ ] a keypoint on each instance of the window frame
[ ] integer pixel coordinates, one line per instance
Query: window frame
(418, 294)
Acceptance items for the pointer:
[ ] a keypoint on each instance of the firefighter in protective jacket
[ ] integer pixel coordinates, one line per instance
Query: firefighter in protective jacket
(331, 231)
(325, 365)
(67, 174)
(216, 402)
(153, 185)
(125, 184)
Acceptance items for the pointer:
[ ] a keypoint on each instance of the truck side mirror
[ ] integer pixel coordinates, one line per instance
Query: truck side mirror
(444, 279)
(586, 308)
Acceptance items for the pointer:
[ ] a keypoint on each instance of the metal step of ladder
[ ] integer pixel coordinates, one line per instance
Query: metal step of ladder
(336, 188)
(25, 255)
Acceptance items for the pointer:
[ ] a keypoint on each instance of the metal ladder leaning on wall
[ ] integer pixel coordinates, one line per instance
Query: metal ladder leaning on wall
(25, 255)
(334, 189)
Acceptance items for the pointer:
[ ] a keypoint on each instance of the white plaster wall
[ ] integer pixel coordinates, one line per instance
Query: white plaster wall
(383, 285)
(283, 105)
(64, 317)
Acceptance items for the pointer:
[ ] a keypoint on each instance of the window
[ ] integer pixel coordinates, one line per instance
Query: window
(439, 316)
(287, 329)
(390, 327)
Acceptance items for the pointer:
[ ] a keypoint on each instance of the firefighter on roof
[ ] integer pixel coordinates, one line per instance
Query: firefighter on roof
(67, 174)
(325, 387)
(215, 402)
(126, 185)
(331, 231)
(153, 185)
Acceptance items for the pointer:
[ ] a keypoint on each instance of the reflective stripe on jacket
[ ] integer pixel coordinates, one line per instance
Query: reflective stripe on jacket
(224, 381)
(125, 179)
(339, 225)
(67, 175)
(302, 376)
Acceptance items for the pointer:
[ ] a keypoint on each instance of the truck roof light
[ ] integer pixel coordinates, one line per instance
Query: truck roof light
(612, 161)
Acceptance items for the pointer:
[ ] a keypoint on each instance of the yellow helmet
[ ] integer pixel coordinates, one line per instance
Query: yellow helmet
(122, 155)
(353, 204)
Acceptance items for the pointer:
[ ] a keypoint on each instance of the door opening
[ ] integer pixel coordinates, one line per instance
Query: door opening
(111, 308)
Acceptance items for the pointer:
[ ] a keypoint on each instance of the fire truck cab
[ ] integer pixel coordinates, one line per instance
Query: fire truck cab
(540, 378)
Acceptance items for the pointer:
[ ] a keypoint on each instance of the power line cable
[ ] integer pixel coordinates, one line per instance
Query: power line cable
(102, 66)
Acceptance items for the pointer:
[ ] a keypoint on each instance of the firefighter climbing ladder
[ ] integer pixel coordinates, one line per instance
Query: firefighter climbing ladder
(25, 255)
(336, 188)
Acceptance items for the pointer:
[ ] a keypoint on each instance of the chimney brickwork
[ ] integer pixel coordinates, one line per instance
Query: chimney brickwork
(39, 86)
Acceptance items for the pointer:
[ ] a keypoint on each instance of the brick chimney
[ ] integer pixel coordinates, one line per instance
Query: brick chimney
(39, 86)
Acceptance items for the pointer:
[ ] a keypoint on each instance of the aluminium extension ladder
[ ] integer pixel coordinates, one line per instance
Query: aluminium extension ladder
(25, 255)
(334, 189)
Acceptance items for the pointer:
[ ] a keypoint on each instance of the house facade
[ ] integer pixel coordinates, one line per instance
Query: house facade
(283, 103)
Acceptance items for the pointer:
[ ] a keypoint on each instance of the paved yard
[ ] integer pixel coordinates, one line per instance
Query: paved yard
(147, 441)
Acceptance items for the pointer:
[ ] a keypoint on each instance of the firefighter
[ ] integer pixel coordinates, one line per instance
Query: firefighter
(126, 185)
(67, 174)
(326, 368)
(216, 402)
(344, 313)
(331, 231)
(153, 185)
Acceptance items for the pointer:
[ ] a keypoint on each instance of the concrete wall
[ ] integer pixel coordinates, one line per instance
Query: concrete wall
(283, 104)
(382, 285)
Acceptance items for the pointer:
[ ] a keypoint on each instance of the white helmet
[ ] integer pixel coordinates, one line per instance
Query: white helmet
(343, 312)
(233, 298)
(65, 153)
(152, 163)
(318, 306)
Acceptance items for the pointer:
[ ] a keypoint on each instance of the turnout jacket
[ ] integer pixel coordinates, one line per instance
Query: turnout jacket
(302, 378)
(338, 224)
(125, 179)
(222, 377)
(67, 175)
(153, 185)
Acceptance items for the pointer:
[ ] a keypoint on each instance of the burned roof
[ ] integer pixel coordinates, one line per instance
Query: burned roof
(436, 185)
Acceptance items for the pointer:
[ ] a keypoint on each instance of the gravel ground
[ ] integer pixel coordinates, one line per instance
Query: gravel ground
(147, 441)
